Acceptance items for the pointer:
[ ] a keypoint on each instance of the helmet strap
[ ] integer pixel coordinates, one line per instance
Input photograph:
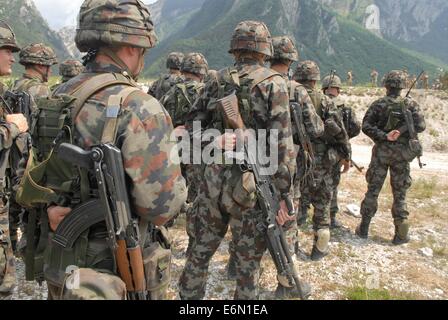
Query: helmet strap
(115, 58)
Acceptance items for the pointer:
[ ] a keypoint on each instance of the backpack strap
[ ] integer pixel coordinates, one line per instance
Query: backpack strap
(259, 75)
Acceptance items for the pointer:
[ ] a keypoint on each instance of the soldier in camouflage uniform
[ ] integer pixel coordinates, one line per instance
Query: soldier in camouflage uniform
(11, 125)
(318, 190)
(331, 87)
(350, 78)
(142, 133)
(166, 81)
(69, 69)
(384, 123)
(224, 199)
(374, 78)
(285, 54)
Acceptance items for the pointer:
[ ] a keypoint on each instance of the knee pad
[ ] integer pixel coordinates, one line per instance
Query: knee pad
(323, 237)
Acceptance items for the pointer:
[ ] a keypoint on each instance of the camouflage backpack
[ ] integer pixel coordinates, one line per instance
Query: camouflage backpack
(184, 96)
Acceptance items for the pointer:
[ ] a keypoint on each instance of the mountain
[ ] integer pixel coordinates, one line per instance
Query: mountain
(332, 35)
(29, 27)
(67, 35)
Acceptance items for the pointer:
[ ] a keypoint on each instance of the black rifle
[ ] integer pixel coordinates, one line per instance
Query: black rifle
(21, 103)
(268, 200)
(307, 167)
(123, 232)
(415, 82)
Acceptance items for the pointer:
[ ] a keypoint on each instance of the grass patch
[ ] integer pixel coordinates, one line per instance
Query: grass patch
(362, 293)
(423, 188)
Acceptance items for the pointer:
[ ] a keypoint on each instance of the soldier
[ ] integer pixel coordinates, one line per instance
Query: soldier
(160, 87)
(328, 150)
(331, 87)
(140, 128)
(11, 126)
(285, 54)
(223, 198)
(350, 78)
(69, 69)
(425, 81)
(37, 59)
(374, 78)
(384, 123)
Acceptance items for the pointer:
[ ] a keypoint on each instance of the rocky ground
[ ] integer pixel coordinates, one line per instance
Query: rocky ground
(355, 268)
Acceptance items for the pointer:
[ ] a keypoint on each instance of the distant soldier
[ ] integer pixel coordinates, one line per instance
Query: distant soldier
(329, 149)
(350, 78)
(166, 81)
(385, 124)
(37, 59)
(11, 126)
(68, 70)
(425, 81)
(285, 54)
(374, 78)
(331, 86)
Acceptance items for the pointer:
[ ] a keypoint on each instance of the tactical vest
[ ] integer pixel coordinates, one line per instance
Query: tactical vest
(48, 179)
(184, 97)
(230, 81)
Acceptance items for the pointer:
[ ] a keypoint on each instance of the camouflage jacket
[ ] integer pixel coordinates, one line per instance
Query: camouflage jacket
(311, 120)
(160, 87)
(180, 98)
(351, 123)
(33, 86)
(378, 118)
(329, 114)
(156, 186)
(269, 109)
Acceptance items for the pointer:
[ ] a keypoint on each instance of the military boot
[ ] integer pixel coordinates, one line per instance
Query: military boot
(320, 247)
(401, 234)
(334, 224)
(283, 292)
(362, 230)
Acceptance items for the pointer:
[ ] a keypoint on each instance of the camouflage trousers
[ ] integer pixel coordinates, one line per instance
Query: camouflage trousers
(192, 174)
(334, 207)
(210, 217)
(89, 284)
(7, 262)
(319, 193)
(387, 157)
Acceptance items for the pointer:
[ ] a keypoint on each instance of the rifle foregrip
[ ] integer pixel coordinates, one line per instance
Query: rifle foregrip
(123, 264)
(138, 271)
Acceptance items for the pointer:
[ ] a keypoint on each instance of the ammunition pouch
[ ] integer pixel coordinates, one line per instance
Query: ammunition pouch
(239, 191)
(157, 264)
(412, 150)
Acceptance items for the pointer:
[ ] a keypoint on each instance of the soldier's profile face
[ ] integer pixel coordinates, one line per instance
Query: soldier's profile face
(6, 62)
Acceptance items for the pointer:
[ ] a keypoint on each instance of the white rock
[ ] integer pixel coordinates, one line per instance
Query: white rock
(439, 291)
(427, 252)
(354, 210)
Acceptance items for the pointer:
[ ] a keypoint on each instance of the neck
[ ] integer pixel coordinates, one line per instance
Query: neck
(33, 73)
(175, 72)
(281, 68)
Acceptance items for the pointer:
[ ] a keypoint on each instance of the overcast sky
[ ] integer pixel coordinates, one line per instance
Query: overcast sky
(60, 13)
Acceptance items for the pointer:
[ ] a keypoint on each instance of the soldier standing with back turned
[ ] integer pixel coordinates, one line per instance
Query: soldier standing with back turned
(166, 81)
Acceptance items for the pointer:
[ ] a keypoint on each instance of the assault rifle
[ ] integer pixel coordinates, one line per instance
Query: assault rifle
(268, 200)
(360, 169)
(21, 103)
(123, 232)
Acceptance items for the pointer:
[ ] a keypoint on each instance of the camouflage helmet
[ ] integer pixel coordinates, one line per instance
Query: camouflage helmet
(195, 63)
(7, 37)
(175, 60)
(252, 36)
(284, 49)
(395, 79)
(331, 81)
(37, 53)
(70, 68)
(109, 23)
(307, 70)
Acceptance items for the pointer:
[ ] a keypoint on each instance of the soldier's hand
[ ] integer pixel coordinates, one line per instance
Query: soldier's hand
(283, 214)
(19, 120)
(227, 141)
(56, 214)
(346, 164)
(393, 135)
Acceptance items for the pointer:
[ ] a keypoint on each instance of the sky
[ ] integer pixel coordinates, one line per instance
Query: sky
(61, 13)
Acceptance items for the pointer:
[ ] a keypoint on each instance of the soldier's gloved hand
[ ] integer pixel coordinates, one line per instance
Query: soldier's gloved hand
(227, 141)
(283, 214)
(19, 120)
(393, 135)
(56, 214)
(346, 164)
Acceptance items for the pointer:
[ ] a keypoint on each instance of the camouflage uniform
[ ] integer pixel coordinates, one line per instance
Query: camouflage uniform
(318, 191)
(353, 128)
(156, 186)
(69, 69)
(215, 207)
(178, 102)
(8, 133)
(383, 116)
(350, 78)
(374, 78)
(166, 81)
